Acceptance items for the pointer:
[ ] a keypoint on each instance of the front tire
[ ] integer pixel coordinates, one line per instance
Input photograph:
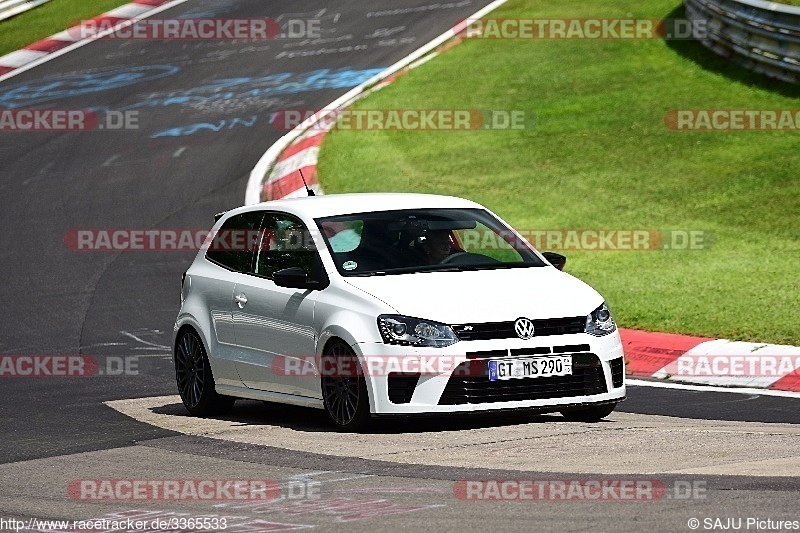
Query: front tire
(589, 414)
(194, 378)
(344, 394)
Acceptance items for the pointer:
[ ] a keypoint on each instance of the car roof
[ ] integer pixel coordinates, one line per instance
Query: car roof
(344, 204)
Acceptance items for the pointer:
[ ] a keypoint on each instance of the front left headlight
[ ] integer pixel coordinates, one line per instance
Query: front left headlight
(408, 331)
(600, 322)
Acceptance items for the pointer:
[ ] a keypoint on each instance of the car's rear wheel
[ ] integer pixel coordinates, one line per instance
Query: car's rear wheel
(589, 414)
(194, 378)
(344, 393)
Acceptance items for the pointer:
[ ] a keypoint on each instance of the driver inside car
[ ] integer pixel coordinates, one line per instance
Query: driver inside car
(436, 245)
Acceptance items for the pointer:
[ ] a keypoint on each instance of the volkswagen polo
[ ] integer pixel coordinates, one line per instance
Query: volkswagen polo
(389, 304)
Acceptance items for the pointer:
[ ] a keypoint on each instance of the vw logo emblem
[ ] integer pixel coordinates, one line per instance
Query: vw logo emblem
(524, 328)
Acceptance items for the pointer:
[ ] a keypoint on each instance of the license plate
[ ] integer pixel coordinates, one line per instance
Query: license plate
(539, 367)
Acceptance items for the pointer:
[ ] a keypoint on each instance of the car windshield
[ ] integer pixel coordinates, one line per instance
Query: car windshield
(423, 240)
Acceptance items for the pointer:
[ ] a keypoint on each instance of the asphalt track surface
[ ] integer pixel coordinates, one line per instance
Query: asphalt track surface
(202, 112)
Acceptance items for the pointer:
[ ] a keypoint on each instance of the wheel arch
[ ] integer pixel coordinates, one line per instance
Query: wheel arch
(189, 324)
(333, 337)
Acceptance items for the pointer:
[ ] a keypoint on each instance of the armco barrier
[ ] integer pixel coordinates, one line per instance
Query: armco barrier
(10, 8)
(762, 36)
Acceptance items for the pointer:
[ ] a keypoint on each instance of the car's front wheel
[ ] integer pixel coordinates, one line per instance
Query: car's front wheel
(344, 389)
(194, 378)
(589, 414)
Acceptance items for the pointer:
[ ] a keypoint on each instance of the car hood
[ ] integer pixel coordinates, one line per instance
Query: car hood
(483, 295)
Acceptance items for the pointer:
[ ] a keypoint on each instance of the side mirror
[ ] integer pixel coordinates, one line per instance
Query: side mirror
(293, 278)
(557, 260)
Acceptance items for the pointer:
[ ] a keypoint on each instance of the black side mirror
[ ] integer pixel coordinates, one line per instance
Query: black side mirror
(293, 278)
(557, 260)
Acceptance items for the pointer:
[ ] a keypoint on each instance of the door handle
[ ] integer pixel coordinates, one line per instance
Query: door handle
(241, 300)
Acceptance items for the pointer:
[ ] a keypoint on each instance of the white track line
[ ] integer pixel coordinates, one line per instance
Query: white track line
(711, 388)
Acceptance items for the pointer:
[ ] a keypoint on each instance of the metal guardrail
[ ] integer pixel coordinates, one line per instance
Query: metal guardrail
(10, 8)
(762, 36)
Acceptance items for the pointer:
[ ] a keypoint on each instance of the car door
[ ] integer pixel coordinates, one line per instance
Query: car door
(231, 258)
(274, 325)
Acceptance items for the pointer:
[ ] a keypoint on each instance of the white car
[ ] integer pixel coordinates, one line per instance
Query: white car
(389, 304)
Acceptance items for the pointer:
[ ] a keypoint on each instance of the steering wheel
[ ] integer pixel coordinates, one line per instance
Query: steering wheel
(452, 258)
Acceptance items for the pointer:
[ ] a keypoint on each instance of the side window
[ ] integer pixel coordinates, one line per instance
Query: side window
(234, 243)
(285, 243)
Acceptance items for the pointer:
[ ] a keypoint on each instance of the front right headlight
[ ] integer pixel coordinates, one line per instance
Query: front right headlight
(600, 322)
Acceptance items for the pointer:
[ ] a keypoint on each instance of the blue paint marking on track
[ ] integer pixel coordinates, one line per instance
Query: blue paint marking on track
(271, 85)
(224, 89)
(56, 87)
(191, 129)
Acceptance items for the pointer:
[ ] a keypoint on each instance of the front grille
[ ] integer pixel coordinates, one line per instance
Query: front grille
(525, 352)
(490, 353)
(401, 386)
(522, 352)
(505, 330)
(587, 379)
(571, 348)
(617, 372)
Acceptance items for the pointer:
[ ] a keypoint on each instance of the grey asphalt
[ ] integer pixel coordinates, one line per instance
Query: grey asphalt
(174, 172)
(203, 112)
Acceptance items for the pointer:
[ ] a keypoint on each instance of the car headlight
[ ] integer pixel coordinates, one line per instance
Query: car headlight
(600, 322)
(407, 331)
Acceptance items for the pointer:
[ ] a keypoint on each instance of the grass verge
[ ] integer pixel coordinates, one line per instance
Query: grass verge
(50, 18)
(600, 156)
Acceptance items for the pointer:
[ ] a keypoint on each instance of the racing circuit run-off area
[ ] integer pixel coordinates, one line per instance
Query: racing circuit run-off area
(394, 266)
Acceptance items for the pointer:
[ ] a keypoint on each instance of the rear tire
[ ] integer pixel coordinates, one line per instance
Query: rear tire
(194, 378)
(589, 414)
(344, 396)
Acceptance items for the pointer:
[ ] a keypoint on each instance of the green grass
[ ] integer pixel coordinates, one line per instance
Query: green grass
(600, 156)
(43, 21)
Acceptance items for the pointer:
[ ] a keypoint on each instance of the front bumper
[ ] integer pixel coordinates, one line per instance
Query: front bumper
(404, 380)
